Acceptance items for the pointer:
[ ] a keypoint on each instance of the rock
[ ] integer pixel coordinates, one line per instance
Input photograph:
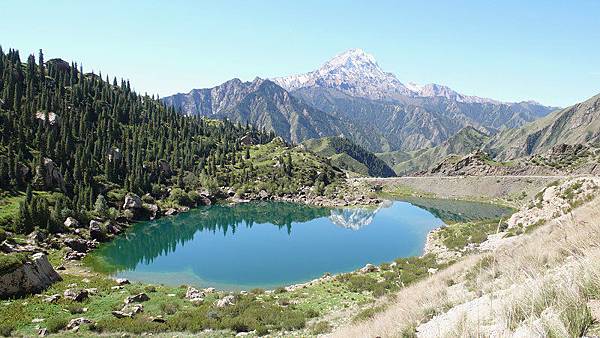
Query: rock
(431, 271)
(61, 267)
(132, 201)
(134, 309)
(152, 209)
(37, 236)
(92, 291)
(184, 209)
(37, 320)
(71, 222)
(77, 244)
(170, 212)
(116, 287)
(43, 332)
(96, 231)
(230, 192)
(368, 268)
(74, 256)
(49, 177)
(33, 276)
(263, 194)
(122, 281)
(194, 295)
(209, 290)
(203, 200)
(158, 319)
(52, 299)
(76, 295)
(247, 140)
(165, 168)
(225, 301)
(76, 322)
(113, 228)
(121, 314)
(140, 297)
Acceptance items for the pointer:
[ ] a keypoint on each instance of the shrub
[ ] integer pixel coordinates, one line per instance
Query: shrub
(180, 197)
(56, 324)
(321, 328)
(169, 308)
(6, 330)
(75, 309)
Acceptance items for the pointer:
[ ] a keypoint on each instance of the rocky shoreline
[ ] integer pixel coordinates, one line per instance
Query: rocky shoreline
(78, 239)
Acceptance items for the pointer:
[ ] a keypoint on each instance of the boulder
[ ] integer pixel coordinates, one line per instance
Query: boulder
(368, 268)
(74, 256)
(170, 212)
(140, 297)
(52, 299)
(71, 222)
(96, 230)
(203, 200)
(225, 301)
(49, 176)
(132, 201)
(77, 244)
(33, 276)
(122, 281)
(76, 295)
(37, 236)
(194, 294)
(152, 209)
(263, 194)
(76, 322)
(121, 314)
(133, 309)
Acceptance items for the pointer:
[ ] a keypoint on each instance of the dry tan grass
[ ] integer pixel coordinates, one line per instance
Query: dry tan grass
(535, 284)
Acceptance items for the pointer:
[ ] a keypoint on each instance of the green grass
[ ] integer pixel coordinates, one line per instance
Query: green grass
(458, 235)
(9, 262)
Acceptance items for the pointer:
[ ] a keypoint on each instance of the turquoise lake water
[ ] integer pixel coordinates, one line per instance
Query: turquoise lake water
(270, 244)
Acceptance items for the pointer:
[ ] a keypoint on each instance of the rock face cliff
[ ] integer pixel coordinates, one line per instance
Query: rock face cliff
(33, 276)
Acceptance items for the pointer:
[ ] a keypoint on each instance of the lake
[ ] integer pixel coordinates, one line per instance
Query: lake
(270, 244)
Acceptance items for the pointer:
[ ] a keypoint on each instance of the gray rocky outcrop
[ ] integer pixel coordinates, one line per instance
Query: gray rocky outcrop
(49, 176)
(33, 276)
(132, 201)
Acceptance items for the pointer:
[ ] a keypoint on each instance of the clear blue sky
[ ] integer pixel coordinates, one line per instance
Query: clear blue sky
(547, 50)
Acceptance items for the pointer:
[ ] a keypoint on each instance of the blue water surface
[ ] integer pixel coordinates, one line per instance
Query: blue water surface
(270, 244)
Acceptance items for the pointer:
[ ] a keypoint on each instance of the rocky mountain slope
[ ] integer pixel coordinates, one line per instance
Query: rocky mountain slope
(578, 124)
(264, 104)
(353, 86)
(464, 142)
(351, 95)
(347, 155)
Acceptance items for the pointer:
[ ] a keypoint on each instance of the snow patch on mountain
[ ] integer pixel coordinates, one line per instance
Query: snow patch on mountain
(358, 74)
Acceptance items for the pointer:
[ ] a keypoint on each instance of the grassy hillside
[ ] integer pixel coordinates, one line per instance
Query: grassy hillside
(347, 155)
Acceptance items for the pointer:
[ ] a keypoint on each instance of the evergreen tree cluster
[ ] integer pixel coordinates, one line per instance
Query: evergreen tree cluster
(94, 135)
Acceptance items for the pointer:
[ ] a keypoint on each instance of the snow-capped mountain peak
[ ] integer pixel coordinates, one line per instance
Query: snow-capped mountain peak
(352, 71)
(357, 73)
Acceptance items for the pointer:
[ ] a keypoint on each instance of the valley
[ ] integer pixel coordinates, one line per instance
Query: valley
(338, 202)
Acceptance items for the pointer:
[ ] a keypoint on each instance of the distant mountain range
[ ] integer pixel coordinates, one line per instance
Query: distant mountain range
(352, 96)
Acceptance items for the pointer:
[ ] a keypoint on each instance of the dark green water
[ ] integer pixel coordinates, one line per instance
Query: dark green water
(270, 244)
